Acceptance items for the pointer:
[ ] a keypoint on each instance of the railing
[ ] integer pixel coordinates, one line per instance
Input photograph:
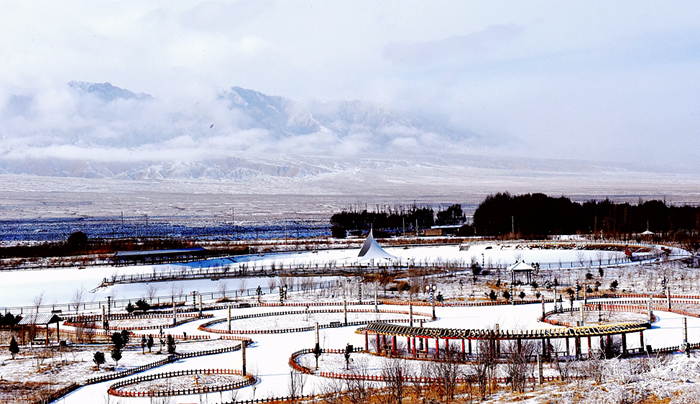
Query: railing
(115, 388)
(205, 326)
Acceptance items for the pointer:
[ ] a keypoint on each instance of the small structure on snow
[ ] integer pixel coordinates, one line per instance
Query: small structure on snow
(43, 320)
(371, 250)
(520, 267)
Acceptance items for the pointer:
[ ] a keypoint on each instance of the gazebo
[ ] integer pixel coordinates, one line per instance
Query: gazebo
(520, 267)
(43, 320)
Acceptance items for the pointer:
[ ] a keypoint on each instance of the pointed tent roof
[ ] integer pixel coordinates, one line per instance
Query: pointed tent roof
(520, 266)
(371, 250)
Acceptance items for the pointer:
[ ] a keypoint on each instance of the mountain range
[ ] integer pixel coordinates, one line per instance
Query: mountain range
(102, 131)
(98, 130)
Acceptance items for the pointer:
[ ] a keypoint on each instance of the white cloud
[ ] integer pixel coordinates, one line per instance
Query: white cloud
(562, 77)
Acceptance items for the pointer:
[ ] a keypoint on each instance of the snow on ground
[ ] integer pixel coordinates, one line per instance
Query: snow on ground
(593, 318)
(58, 286)
(303, 320)
(267, 357)
(183, 382)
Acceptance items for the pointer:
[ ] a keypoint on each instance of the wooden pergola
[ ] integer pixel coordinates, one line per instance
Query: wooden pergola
(43, 320)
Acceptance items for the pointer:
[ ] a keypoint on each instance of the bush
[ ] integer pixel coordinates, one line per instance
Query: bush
(171, 344)
(14, 347)
(98, 358)
(143, 305)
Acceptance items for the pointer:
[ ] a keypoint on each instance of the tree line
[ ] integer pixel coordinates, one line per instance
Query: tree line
(388, 221)
(538, 215)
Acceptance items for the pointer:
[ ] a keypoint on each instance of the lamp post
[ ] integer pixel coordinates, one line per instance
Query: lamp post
(431, 289)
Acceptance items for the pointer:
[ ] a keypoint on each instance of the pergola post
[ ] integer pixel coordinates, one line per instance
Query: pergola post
(470, 347)
(590, 350)
(437, 348)
(568, 351)
(544, 347)
(379, 345)
(366, 341)
(577, 342)
(393, 344)
(641, 341)
(624, 345)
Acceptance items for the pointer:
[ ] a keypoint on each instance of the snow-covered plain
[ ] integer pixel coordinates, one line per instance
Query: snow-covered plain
(267, 357)
(58, 286)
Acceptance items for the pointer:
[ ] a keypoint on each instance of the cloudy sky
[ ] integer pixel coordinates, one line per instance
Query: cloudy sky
(590, 80)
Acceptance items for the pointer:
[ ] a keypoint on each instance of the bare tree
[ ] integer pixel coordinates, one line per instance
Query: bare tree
(36, 304)
(484, 366)
(271, 283)
(242, 285)
(78, 295)
(518, 367)
(447, 371)
(418, 387)
(151, 292)
(222, 289)
(332, 392)
(395, 371)
(594, 367)
(297, 380)
(359, 390)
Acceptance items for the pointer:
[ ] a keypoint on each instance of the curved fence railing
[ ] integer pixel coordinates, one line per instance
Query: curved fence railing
(206, 326)
(115, 389)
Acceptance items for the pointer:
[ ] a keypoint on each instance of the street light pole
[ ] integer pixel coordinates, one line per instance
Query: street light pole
(431, 290)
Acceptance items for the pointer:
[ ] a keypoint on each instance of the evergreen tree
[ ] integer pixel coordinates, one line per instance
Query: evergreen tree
(14, 347)
(98, 358)
(171, 344)
(116, 355)
(493, 296)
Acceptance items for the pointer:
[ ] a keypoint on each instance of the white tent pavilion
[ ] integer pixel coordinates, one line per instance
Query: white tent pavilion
(521, 266)
(371, 250)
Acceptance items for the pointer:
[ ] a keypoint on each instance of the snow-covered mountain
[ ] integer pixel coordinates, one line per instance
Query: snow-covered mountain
(99, 130)
(106, 91)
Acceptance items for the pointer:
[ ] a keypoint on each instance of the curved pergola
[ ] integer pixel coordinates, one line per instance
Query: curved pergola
(382, 331)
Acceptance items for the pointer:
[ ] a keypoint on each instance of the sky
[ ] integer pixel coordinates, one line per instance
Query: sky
(614, 80)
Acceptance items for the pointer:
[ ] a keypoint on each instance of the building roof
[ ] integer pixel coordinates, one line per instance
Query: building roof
(40, 319)
(371, 250)
(520, 266)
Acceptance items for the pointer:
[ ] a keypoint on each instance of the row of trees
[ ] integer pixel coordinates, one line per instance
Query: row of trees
(78, 243)
(539, 215)
(394, 220)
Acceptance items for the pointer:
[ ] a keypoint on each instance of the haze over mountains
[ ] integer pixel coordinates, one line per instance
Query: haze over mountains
(97, 130)
(103, 131)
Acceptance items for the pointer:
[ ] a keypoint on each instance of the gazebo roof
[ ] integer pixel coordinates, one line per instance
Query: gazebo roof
(371, 250)
(40, 319)
(520, 266)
